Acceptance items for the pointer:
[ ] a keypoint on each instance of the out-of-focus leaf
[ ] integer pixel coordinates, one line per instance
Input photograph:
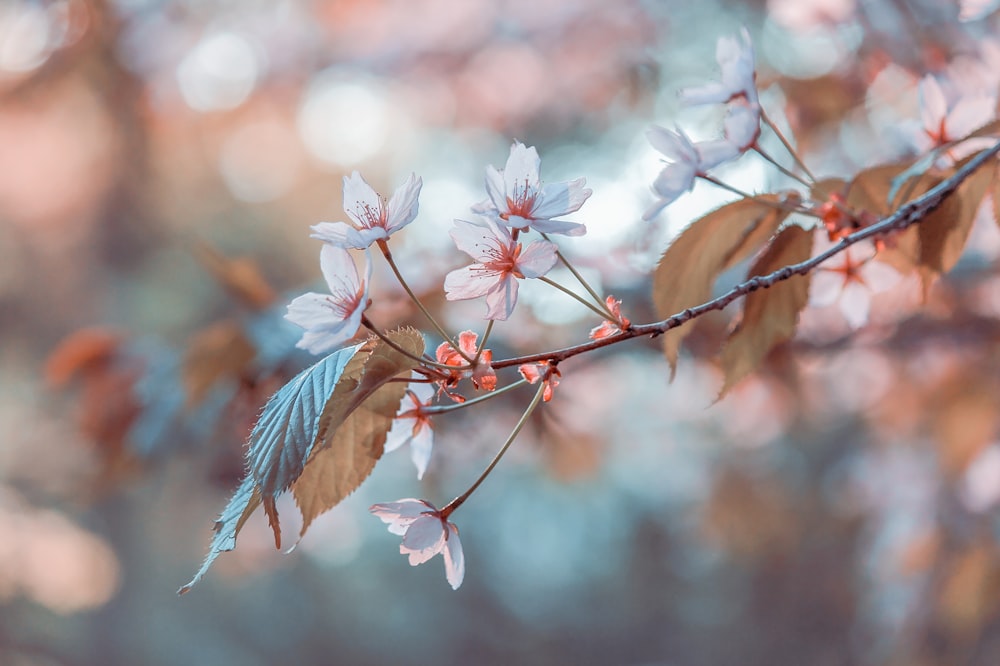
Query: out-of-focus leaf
(719, 240)
(241, 277)
(243, 503)
(353, 427)
(222, 350)
(81, 352)
(770, 315)
(964, 420)
(970, 589)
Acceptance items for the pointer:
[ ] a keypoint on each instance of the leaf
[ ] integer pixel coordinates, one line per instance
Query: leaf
(234, 516)
(284, 434)
(353, 428)
(688, 269)
(81, 352)
(869, 192)
(241, 277)
(770, 315)
(222, 350)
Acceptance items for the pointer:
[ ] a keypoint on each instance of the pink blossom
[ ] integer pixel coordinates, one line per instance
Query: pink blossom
(413, 426)
(332, 319)
(688, 160)
(500, 263)
(736, 60)
(373, 218)
(943, 123)
(849, 279)
(483, 376)
(610, 327)
(545, 372)
(425, 533)
(519, 200)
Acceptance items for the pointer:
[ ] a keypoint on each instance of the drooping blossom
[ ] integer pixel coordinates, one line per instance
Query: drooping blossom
(483, 376)
(943, 123)
(425, 533)
(332, 319)
(500, 262)
(413, 426)
(519, 200)
(736, 60)
(850, 279)
(688, 161)
(374, 219)
(547, 373)
(610, 327)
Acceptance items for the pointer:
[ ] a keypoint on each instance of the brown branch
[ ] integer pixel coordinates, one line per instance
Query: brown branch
(905, 216)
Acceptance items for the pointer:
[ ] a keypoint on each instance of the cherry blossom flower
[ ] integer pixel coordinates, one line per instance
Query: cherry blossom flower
(332, 319)
(943, 123)
(500, 263)
(483, 376)
(547, 373)
(849, 279)
(736, 60)
(609, 327)
(518, 199)
(689, 160)
(425, 533)
(413, 426)
(373, 218)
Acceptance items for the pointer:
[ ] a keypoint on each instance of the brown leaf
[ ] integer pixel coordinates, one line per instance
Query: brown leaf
(241, 276)
(81, 352)
(868, 193)
(770, 315)
(688, 269)
(218, 352)
(354, 425)
(945, 231)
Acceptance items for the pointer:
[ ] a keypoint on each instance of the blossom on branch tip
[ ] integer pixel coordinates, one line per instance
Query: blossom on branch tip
(483, 376)
(413, 426)
(500, 262)
(332, 319)
(519, 200)
(545, 372)
(850, 279)
(611, 327)
(425, 533)
(374, 219)
(688, 161)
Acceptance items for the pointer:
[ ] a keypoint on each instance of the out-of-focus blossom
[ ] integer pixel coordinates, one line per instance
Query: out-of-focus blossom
(736, 60)
(483, 376)
(688, 160)
(850, 279)
(609, 327)
(373, 218)
(500, 262)
(547, 373)
(520, 201)
(836, 217)
(425, 533)
(332, 319)
(943, 123)
(973, 10)
(413, 426)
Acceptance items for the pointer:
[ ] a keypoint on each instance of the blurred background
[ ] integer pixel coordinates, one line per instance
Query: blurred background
(160, 165)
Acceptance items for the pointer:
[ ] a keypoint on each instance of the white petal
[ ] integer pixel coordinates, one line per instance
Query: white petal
(521, 170)
(855, 301)
(334, 233)
(969, 114)
(825, 287)
(742, 125)
(713, 153)
(309, 310)
(339, 270)
(359, 196)
(361, 239)
(933, 106)
(496, 192)
(654, 209)
(454, 559)
(559, 227)
(469, 282)
(421, 445)
(400, 432)
(674, 145)
(400, 514)
(501, 299)
(403, 206)
(879, 276)
(710, 93)
(537, 259)
(674, 180)
(558, 199)
(424, 539)
(480, 238)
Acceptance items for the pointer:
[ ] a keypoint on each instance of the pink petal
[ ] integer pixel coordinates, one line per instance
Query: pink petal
(469, 282)
(479, 239)
(560, 199)
(454, 559)
(521, 171)
(496, 192)
(537, 259)
(339, 270)
(559, 227)
(933, 106)
(879, 276)
(825, 287)
(400, 514)
(359, 197)
(403, 206)
(855, 301)
(969, 114)
(500, 300)
(424, 539)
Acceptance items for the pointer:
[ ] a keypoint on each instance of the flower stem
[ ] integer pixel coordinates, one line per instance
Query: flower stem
(791, 174)
(421, 359)
(788, 146)
(458, 501)
(437, 327)
(441, 409)
(746, 195)
(482, 344)
(579, 278)
(601, 312)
